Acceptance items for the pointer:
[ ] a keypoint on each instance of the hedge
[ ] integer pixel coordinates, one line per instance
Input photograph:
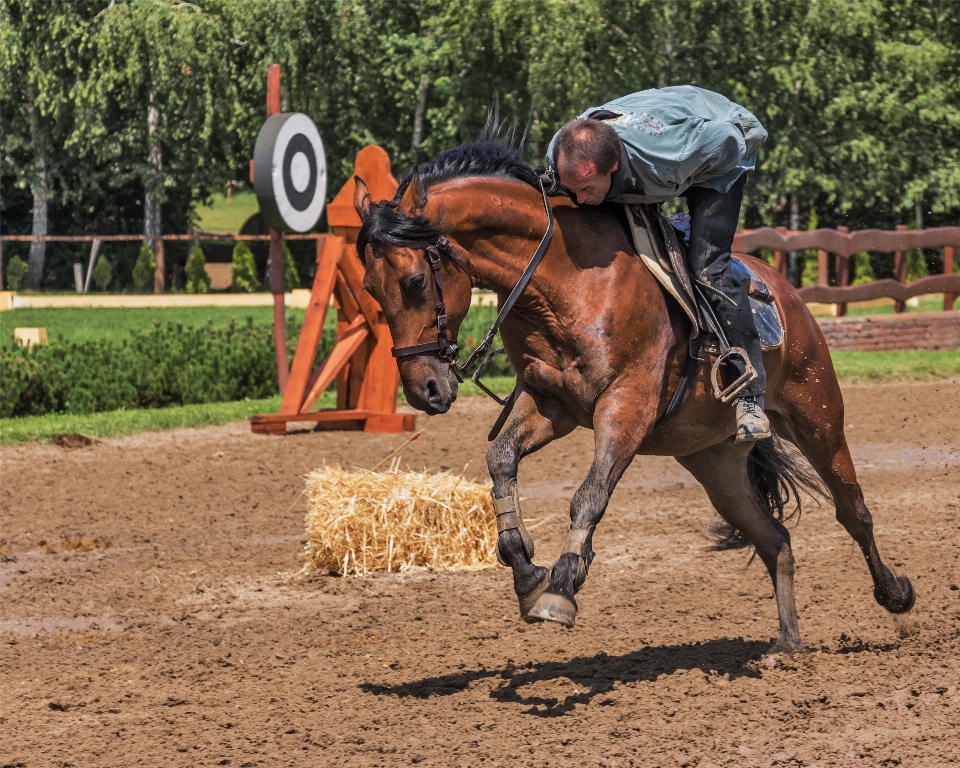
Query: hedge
(171, 365)
(167, 365)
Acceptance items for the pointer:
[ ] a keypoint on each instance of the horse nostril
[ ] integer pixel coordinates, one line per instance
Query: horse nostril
(433, 391)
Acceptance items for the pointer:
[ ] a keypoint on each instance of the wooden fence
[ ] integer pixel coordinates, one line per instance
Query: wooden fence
(843, 244)
(840, 243)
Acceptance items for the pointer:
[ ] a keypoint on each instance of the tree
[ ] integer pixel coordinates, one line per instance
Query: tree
(38, 70)
(153, 104)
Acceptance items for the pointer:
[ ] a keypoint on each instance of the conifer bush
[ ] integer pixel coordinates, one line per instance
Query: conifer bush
(291, 279)
(144, 269)
(16, 271)
(243, 269)
(103, 273)
(198, 281)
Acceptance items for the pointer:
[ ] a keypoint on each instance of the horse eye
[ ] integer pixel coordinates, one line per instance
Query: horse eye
(413, 286)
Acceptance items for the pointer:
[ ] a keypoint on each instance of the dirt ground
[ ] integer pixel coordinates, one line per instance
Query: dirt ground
(148, 617)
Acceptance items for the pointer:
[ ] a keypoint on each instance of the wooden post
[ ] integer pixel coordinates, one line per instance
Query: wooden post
(823, 270)
(160, 259)
(276, 253)
(900, 270)
(842, 267)
(780, 263)
(948, 298)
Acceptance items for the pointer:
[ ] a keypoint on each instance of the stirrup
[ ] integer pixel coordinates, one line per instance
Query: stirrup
(734, 389)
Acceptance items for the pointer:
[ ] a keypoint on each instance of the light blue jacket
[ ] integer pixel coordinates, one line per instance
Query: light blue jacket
(678, 137)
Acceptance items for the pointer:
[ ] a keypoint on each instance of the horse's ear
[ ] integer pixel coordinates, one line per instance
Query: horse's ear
(414, 200)
(361, 198)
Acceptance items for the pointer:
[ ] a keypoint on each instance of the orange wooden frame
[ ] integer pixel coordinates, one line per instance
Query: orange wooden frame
(365, 371)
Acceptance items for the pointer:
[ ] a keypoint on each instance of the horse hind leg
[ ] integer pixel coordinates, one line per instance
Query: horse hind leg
(723, 472)
(822, 442)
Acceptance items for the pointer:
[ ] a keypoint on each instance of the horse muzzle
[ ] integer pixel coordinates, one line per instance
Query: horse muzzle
(429, 384)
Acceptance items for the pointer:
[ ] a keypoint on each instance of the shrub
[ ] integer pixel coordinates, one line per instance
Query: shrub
(144, 269)
(243, 269)
(291, 279)
(103, 273)
(916, 265)
(472, 331)
(810, 274)
(862, 269)
(16, 271)
(198, 281)
(171, 365)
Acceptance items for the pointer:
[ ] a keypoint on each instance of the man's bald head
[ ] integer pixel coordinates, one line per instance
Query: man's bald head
(586, 154)
(587, 140)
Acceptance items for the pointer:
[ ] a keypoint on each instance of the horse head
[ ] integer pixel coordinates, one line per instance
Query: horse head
(422, 285)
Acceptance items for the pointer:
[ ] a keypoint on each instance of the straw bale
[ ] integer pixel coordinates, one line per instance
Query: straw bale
(361, 522)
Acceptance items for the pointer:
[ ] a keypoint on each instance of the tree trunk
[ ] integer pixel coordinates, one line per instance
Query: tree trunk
(420, 111)
(918, 213)
(41, 194)
(152, 224)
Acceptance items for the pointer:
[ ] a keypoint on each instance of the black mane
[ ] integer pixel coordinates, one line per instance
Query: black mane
(383, 223)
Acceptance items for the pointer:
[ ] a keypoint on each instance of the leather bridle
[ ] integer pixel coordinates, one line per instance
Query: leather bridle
(449, 350)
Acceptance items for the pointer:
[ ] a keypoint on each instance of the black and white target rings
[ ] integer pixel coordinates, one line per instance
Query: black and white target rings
(290, 172)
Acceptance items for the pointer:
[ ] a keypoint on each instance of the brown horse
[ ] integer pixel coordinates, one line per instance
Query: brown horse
(596, 342)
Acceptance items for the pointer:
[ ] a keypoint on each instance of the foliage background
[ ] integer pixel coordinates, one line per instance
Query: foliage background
(861, 97)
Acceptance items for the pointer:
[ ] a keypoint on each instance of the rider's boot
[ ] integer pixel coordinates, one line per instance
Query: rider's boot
(752, 422)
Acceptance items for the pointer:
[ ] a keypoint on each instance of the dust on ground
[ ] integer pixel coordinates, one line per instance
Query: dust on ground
(148, 617)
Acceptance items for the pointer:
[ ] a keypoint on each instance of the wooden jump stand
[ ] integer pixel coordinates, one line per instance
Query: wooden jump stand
(361, 362)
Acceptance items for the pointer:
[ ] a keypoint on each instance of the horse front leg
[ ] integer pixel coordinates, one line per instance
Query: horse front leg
(534, 422)
(621, 422)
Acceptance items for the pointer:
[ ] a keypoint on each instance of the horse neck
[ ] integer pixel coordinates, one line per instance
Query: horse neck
(499, 222)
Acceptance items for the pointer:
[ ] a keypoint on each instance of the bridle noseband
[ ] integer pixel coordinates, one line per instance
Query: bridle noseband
(449, 350)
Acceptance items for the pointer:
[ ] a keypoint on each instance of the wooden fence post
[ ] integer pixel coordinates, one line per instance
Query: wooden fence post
(948, 298)
(780, 263)
(900, 270)
(276, 253)
(842, 267)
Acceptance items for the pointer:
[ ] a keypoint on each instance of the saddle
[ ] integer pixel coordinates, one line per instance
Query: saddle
(661, 243)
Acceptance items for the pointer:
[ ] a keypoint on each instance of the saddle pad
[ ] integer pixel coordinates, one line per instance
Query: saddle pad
(766, 316)
(662, 272)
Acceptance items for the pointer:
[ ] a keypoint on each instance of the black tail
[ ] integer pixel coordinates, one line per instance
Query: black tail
(777, 473)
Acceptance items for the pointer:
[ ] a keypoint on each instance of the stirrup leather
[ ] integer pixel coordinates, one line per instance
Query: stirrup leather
(509, 517)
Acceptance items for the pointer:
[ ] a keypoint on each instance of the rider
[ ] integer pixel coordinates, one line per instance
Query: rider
(659, 144)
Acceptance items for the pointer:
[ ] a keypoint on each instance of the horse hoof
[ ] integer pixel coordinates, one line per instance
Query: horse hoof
(783, 647)
(897, 603)
(528, 600)
(553, 607)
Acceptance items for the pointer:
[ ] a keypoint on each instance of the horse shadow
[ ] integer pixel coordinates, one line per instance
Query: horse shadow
(592, 676)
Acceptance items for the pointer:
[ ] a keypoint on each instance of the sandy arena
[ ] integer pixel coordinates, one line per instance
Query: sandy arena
(149, 619)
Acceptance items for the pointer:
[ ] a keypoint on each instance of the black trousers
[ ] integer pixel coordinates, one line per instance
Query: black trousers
(713, 223)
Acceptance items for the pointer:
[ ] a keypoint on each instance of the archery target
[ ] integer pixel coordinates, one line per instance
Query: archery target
(290, 172)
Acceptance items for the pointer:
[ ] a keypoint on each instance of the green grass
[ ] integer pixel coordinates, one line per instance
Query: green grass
(221, 216)
(906, 364)
(95, 323)
(119, 423)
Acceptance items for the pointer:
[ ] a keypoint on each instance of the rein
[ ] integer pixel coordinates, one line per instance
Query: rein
(449, 350)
